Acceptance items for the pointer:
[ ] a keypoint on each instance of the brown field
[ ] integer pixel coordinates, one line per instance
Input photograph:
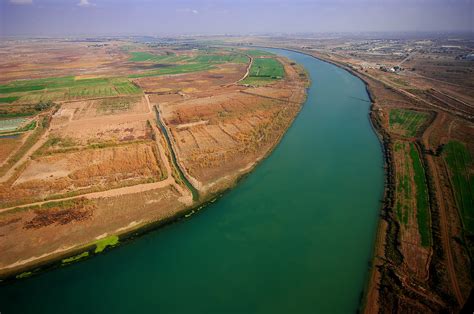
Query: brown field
(60, 173)
(9, 146)
(53, 58)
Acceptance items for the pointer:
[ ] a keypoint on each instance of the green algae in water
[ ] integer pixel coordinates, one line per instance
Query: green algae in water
(105, 242)
(24, 275)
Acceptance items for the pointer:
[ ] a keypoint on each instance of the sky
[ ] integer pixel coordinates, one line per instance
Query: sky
(173, 17)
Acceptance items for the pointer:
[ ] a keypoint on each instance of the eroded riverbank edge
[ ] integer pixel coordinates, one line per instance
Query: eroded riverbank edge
(82, 252)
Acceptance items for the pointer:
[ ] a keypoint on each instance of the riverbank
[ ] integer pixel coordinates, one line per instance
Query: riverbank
(277, 242)
(369, 299)
(71, 253)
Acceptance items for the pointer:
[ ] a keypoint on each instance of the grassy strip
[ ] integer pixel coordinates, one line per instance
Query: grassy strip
(403, 187)
(75, 258)
(422, 213)
(460, 162)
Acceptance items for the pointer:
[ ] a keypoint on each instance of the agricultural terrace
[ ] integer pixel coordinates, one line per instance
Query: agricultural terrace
(264, 71)
(407, 122)
(460, 164)
(65, 88)
(411, 191)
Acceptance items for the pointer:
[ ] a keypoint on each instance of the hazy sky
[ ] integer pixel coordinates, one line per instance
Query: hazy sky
(159, 17)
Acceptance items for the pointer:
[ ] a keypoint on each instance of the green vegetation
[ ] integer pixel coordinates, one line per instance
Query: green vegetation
(184, 64)
(126, 88)
(30, 126)
(408, 121)
(215, 58)
(67, 87)
(422, 206)
(407, 193)
(75, 258)
(264, 71)
(8, 100)
(459, 161)
(105, 242)
(258, 53)
(267, 67)
(201, 58)
(177, 69)
(403, 188)
(149, 57)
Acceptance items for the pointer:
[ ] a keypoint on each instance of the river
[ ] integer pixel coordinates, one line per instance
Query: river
(295, 236)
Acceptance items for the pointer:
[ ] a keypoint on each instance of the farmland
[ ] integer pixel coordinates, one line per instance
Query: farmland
(407, 122)
(67, 88)
(422, 215)
(88, 145)
(263, 71)
(460, 165)
(11, 124)
(411, 191)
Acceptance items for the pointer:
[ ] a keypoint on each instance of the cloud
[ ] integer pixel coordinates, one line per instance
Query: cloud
(188, 10)
(21, 2)
(85, 3)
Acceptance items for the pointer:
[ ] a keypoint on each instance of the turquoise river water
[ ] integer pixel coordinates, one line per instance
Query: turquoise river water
(295, 236)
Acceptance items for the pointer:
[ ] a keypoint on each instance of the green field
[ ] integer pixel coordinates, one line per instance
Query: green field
(258, 53)
(178, 69)
(8, 100)
(406, 192)
(68, 88)
(423, 211)
(201, 58)
(459, 161)
(263, 71)
(215, 58)
(184, 64)
(149, 57)
(403, 187)
(408, 122)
